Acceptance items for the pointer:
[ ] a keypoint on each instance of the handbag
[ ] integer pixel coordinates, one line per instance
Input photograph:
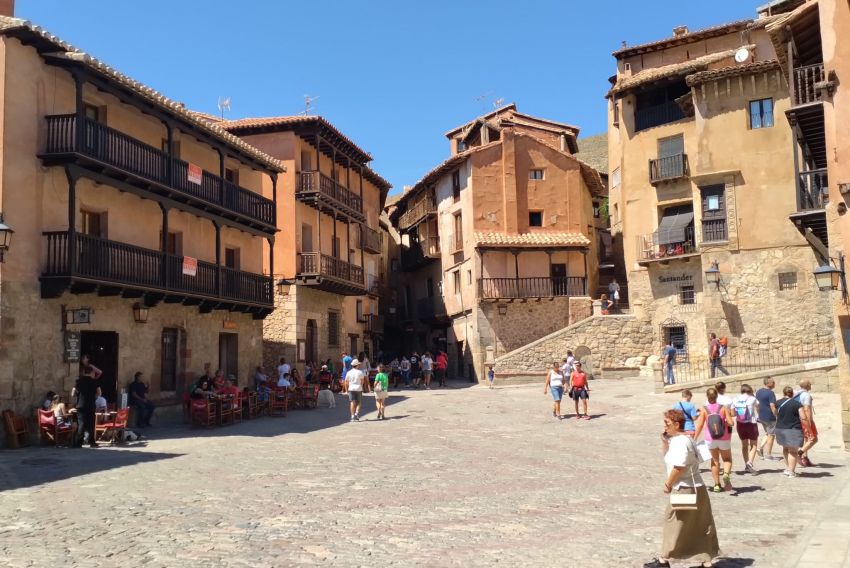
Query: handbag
(379, 387)
(686, 501)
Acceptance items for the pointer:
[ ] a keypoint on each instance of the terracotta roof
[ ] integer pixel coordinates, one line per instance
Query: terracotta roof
(593, 150)
(724, 72)
(690, 37)
(63, 50)
(776, 31)
(653, 74)
(541, 239)
(543, 123)
(488, 116)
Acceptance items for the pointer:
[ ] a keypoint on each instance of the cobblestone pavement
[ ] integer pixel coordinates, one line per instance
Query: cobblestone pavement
(455, 477)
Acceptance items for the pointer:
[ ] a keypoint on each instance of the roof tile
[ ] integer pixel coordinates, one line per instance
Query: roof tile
(541, 239)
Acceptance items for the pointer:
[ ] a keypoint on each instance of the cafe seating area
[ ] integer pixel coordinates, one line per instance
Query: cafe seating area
(224, 409)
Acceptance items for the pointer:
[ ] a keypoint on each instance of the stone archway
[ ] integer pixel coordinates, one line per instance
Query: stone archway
(582, 353)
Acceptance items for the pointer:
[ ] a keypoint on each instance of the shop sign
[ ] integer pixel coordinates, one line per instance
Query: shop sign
(190, 266)
(230, 324)
(72, 346)
(682, 278)
(195, 174)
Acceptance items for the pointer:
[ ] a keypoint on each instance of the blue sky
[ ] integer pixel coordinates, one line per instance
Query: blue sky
(392, 75)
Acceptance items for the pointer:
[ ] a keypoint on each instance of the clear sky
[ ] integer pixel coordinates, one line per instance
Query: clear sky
(393, 75)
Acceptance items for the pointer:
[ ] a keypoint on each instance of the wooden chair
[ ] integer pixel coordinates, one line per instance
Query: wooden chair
(226, 413)
(17, 433)
(203, 413)
(260, 406)
(309, 396)
(237, 409)
(278, 401)
(50, 430)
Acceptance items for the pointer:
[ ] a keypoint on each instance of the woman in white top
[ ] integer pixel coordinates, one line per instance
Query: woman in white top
(691, 532)
(555, 385)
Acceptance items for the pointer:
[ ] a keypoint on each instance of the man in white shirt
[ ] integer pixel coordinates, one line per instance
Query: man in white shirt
(283, 369)
(569, 365)
(427, 369)
(355, 384)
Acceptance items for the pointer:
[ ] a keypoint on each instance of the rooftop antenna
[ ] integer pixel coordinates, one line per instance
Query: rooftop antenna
(498, 102)
(483, 100)
(308, 105)
(223, 105)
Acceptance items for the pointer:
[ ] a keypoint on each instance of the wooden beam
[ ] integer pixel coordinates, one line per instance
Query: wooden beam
(817, 244)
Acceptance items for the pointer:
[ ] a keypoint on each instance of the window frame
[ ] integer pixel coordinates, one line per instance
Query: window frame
(532, 174)
(456, 186)
(761, 114)
(532, 213)
(333, 328)
(456, 282)
(789, 283)
(687, 292)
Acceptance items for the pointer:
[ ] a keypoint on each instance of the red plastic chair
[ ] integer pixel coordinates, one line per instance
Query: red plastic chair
(203, 413)
(49, 429)
(278, 401)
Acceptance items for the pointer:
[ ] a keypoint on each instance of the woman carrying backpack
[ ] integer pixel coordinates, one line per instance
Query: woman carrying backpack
(746, 412)
(716, 423)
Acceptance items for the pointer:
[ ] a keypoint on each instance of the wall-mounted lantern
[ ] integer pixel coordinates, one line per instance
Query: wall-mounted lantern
(140, 313)
(712, 274)
(5, 237)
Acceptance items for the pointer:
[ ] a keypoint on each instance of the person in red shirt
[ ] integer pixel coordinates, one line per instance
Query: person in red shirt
(230, 388)
(441, 364)
(579, 389)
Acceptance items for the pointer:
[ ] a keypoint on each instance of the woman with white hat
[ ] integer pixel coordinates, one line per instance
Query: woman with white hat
(355, 385)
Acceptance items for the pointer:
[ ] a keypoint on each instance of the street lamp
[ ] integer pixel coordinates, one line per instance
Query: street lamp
(828, 277)
(140, 313)
(712, 274)
(5, 237)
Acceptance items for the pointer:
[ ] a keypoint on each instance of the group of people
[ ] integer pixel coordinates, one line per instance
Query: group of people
(568, 378)
(689, 528)
(416, 371)
(717, 349)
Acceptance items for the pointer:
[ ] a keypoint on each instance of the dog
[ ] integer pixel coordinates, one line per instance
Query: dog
(326, 398)
(129, 436)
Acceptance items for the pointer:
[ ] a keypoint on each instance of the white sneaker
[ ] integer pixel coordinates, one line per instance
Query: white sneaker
(749, 468)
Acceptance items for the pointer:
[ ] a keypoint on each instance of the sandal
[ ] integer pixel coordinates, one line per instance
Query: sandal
(656, 563)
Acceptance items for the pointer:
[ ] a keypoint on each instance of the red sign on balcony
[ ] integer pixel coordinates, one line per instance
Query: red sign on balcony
(190, 266)
(195, 174)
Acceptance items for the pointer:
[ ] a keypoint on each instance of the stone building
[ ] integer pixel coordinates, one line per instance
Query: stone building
(330, 257)
(139, 229)
(704, 195)
(496, 240)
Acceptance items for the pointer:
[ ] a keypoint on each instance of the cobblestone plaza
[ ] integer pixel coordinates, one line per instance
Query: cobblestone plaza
(454, 477)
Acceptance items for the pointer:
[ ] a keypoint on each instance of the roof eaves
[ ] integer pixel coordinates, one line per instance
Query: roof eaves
(489, 115)
(690, 37)
(715, 74)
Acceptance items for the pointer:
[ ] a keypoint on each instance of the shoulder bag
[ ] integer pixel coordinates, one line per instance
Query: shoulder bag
(686, 501)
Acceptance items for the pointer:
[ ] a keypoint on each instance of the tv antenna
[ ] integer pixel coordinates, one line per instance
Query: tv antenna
(223, 105)
(498, 102)
(308, 105)
(483, 100)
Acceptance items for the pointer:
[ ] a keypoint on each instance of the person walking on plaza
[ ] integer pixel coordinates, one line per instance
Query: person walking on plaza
(382, 387)
(441, 363)
(395, 371)
(85, 390)
(715, 423)
(427, 369)
(669, 354)
(569, 364)
(346, 366)
(138, 392)
(767, 418)
(689, 410)
(491, 377)
(687, 533)
(745, 407)
(404, 366)
(810, 430)
(355, 385)
(789, 429)
(555, 386)
(715, 356)
(579, 389)
(415, 369)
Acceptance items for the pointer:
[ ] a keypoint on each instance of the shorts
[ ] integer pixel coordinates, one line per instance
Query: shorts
(578, 394)
(747, 431)
(426, 374)
(789, 437)
(381, 395)
(557, 393)
(355, 396)
(810, 430)
(720, 445)
(768, 426)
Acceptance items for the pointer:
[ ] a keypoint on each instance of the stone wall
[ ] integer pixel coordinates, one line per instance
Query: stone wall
(522, 322)
(599, 341)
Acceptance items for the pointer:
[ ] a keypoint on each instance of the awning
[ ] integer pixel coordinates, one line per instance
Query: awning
(672, 228)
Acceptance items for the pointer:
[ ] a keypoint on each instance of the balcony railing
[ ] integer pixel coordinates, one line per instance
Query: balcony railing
(812, 186)
(668, 168)
(658, 115)
(127, 154)
(806, 79)
(535, 287)
(311, 184)
(374, 284)
(374, 323)
(110, 262)
(319, 264)
(652, 247)
(417, 212)
(371, 240)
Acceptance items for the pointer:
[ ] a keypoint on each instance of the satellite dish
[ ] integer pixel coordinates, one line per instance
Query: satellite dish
(742, 55)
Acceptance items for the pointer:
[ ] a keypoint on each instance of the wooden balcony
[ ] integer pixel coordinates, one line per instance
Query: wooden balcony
(374, 285)
(531, 288)
(413, 256)
(371, 240)
(668, 168)
(330, 274)
(89, 264)
(432, 247)
(660, 248)
(417, 213)
(150, 172)
(374, 324)
(812, 198)
(326, 194)
(657, 115)
(807, 82)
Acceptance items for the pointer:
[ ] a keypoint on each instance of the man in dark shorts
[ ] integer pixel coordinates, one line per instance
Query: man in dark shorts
(85, 390)
(767, 418)
(415, 369)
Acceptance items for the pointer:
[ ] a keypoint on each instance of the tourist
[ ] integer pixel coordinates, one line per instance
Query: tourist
(297, 379)
(382, 387)
(330, 365)
(87, 368)
(767, 418)
(283, 369)
(64, 418)
(231, 388)
(810, 430)
(346, 366)
(491, 376)
(614, 291)
(789, 429)
(203, 389)
(47, 402)
(415, 369)
(579, 389)
(605, 304)
(715, 357)
(100, 404)
(138, 392)
(441, 365)
(260, 378)
(395, 371)
(285, 382)
(405, 370)
(555, 386)
(325, 377)
(689, 410)
(218, 380)
(355, 385)
(669, 354)
(723, 398)
(364, 362)
(715, 422)
(427, 369)
(85, 390)
(745, 407)
(691, 532)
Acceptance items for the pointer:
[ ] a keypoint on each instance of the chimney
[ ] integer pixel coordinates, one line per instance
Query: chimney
(406, 188)
(7, 8)
(679, 31)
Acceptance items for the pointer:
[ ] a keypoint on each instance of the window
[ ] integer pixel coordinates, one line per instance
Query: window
(306, 238)
(761, 113)
(352, 339)
(231, 175)
(359, 308)
(458, 232)
(175, 145)
(676, 333)
(535, 218)
(787, 281)
(687, 296)
(333, 328)
(456, 186)
(536, 174)
(469, 277)
(429, 287)
(231, 258)
(306, 161)
(456, 281)
(616, 109)
(713, 213)
(93, 224)
(596, 211)
(461, 146)
(174, 243)
(95, 113)
(615, 178)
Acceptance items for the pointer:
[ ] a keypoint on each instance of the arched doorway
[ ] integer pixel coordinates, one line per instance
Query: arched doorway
(310, 341)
